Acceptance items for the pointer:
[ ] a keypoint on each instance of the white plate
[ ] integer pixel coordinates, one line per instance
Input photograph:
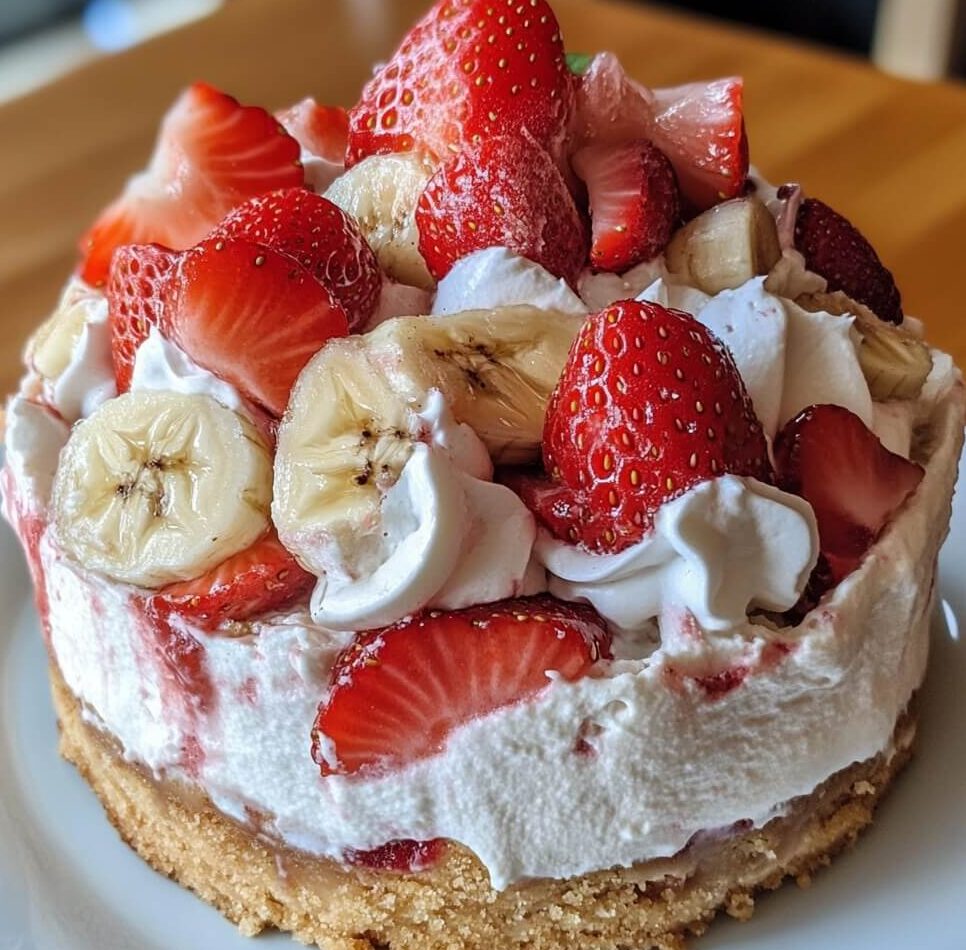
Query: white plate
(67, 882)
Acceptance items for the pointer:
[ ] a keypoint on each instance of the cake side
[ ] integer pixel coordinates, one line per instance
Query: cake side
(258, 883)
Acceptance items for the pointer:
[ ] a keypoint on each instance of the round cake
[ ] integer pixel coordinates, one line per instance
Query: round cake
(491, 516)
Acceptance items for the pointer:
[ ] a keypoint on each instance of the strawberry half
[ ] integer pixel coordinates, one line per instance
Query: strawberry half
(633, 202)
(251, 316)
(320, 237)
(649, 404)
(834, 248)
(827, 455)
(469, 70)
(397, 693)
(212, 153)
(487, 195)
(321, 130)
(261, 578)
(137, 291)
(701, 129)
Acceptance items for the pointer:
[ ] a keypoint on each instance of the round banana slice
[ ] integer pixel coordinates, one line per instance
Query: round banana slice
(52, 345)
(497, 369)
(343, 441)
(157, 487)
(381, 194)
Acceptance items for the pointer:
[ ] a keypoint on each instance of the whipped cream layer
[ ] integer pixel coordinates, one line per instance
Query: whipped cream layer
(803, 702)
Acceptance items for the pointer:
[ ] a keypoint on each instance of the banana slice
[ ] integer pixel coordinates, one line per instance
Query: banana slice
(381, 194)
(157, 487)
(725, 246)
(894, 361)
(497, 368)
(343, 441)
(52, 345)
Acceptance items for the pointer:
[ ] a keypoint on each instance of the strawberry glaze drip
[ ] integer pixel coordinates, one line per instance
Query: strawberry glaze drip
(188, 692)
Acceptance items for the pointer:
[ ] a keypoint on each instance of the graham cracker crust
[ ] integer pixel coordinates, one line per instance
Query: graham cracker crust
(258, 884)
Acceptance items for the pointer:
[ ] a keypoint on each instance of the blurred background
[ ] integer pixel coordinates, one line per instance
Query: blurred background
(41, 39)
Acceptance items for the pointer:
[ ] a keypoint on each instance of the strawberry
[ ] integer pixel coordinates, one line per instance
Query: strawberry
(320, 237)
(649, 404)
(321, 130)
(251, 316)
(402, 854)
(701, 129)
(137, 289)
(212, 153)
(633, 202)
(487, 195)
(835, 249)
(397, 693)
(827, 455)
(469, 70)
(261, 578)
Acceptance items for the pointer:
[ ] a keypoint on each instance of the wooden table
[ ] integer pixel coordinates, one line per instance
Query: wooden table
(890, 154)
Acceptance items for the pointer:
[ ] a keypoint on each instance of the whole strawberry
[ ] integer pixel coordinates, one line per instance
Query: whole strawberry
(833, 247)
(470, 69)
(504, 192)
(649, 404)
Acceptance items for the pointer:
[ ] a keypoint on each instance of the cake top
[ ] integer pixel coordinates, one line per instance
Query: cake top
(512, 322)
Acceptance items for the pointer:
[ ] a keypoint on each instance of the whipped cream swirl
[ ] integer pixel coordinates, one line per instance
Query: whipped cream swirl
(449, 538)
(722, 548)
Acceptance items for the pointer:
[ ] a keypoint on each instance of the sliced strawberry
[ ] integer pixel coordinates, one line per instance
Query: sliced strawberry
(701, 129)
(834, 248)
(137, 291)
(633, 202)
(251, 316)
(259, 579)
(488, 196)
(649, 404)
(321, 130)
(470, 69)
(397, 693)
(319, 236)
(403, 855)
(212, 153)
(827, 455)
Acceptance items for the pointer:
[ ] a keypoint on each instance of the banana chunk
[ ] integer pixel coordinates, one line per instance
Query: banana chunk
(380, 193)
(497, 368)
(725, 246)
(52, 345)
(157, 487)
(894, 362)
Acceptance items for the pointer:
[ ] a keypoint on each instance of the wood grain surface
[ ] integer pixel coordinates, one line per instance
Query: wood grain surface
(889, 153)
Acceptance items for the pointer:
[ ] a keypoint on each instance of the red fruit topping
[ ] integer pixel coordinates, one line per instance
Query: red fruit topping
(402, 855)
(469, 70)
(505, 192)
(322, 130)
(251, 316)
(398, 692)
(137, 290)
(834, 248)
(633, 202)
(827, 455)
(212, 153)
(701, 129)
(261, 578)
(649, 404)
(319, 236)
